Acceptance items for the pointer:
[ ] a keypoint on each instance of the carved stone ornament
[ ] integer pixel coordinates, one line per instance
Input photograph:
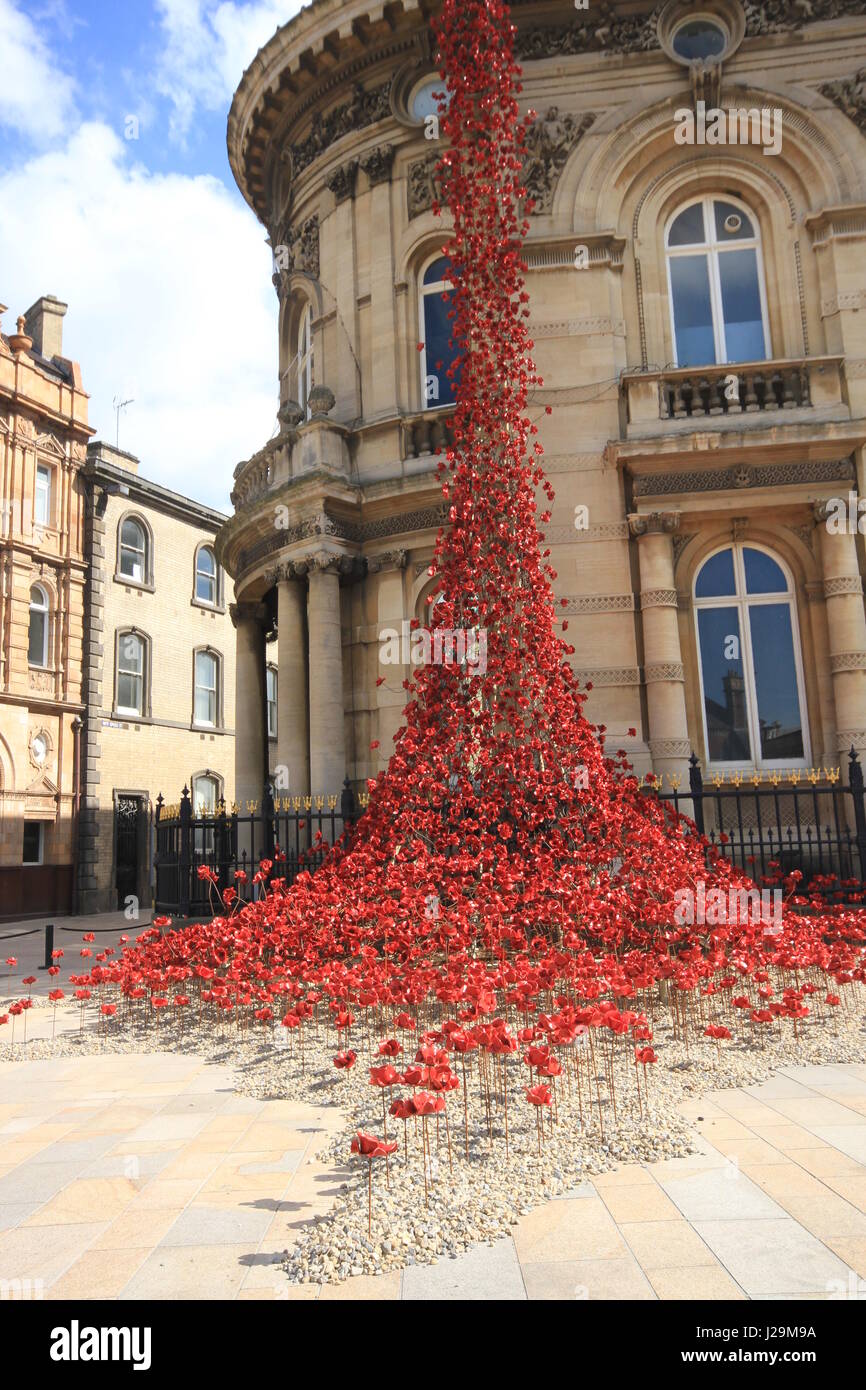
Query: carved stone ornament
(377, 164)
(742, 476)
(784, 16)
(654, 523)
(596, 27)
(295, 249)
(549, 142)
(342, 181)
(424, 186)
(362, 109)
(849, 94)
(322, 400)
(388, 559)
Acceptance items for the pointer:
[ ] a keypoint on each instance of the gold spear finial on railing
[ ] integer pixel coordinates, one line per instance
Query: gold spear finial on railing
(332, 801)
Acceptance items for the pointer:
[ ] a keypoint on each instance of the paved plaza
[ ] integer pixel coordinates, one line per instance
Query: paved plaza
(151, 1177)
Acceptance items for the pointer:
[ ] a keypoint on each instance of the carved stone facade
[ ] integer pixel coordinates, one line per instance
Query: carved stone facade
(43, 436)
(655, 467)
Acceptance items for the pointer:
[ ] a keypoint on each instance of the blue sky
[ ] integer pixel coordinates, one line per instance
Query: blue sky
(116, 196)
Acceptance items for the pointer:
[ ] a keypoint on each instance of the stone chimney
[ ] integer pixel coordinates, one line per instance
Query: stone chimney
(44, 323)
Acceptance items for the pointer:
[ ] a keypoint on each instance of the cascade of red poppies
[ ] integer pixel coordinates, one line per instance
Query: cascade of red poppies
(503, 857)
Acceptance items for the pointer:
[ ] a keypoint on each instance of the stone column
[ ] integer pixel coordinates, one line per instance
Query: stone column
(293, 726)
(381, 393)
(846, 626)
(327, 715)
(251, 759)
(663, 664)
(390, 697)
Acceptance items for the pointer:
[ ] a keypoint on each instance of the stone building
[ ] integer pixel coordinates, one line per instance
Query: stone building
(697, 284)
(43, 437)
(159, 672)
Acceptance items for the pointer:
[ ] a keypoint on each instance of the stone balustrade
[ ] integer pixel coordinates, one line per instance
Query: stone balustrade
(732, 389)
(425, 433)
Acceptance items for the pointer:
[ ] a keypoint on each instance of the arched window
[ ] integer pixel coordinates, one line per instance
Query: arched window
(206, 693)
(716, 284)
(271, 679)
(306, 375)
(437, 293)
(132, 557)
(751, 669)
(206, 587)
(37, 643)
(130, 684)
(205, 793)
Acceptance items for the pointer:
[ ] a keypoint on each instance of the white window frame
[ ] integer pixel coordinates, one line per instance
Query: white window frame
(211, 578)
(42, 494)
(46, 629)
(712, 248)
(742, 601)
(132, 550)
(140, 676)
(34, 863)
(438, 287)
(214, 782)
(211, 690)
(305, 359)
(271, 678)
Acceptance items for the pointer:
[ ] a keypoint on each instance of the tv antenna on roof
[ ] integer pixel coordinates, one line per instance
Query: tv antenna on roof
(118, 406)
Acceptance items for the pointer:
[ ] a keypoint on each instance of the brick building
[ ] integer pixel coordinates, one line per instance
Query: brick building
(159, 672)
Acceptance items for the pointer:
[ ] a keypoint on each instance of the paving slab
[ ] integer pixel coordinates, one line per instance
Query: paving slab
(488, 1272)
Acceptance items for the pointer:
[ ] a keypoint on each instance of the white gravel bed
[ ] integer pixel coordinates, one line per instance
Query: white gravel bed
(485, 1194)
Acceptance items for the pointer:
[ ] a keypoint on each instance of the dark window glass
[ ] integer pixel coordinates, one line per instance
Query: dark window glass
(439, 388)
(763, 575)
(699, 39)
(741, 306)
(724, 685)
(688, 228)
(716, 579)
(776, 682)
(32, 851)
(693, 314)
(732, 224)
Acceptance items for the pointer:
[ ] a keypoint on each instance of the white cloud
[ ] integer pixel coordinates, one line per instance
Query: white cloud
(36, 97)
(207, 46)
(168, 284)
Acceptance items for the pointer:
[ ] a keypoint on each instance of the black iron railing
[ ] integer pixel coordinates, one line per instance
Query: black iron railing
(807, 820)
(293, 832)
(764, 823)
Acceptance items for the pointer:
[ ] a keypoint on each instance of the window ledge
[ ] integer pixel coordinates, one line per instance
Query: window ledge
(208, 607)
(146, 587)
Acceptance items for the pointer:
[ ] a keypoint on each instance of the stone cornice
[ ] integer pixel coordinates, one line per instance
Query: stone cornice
(741, 476)
(846, 222)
